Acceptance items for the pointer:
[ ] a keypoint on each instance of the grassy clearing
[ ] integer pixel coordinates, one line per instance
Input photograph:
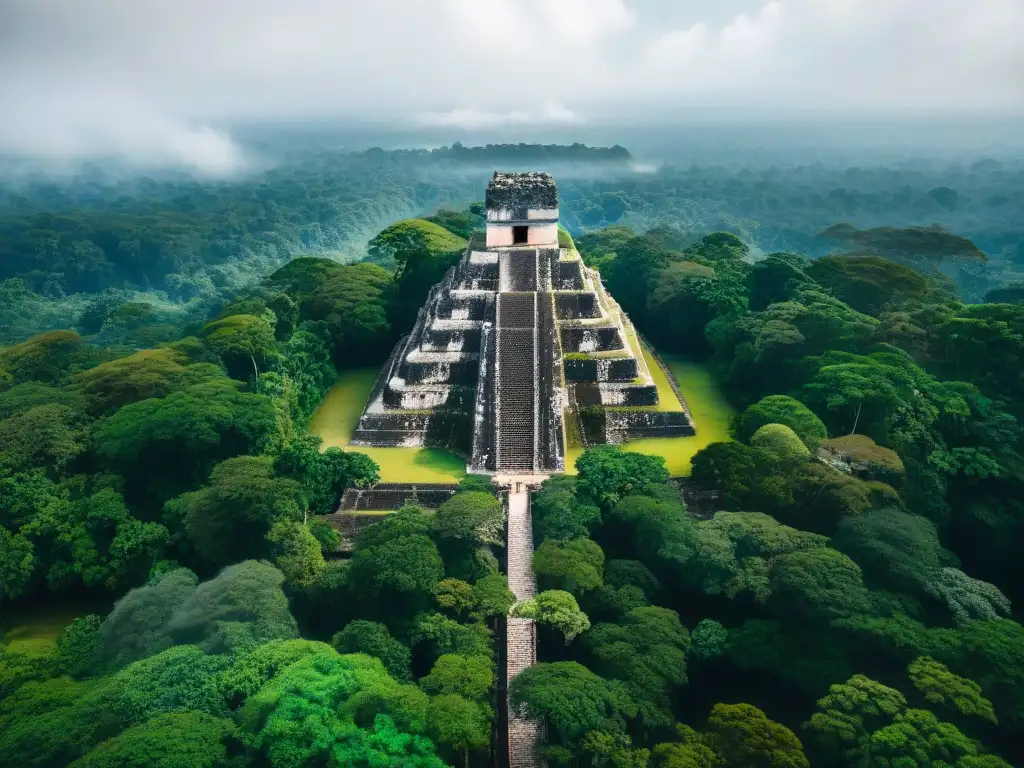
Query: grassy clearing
(667, 400)
(38, 627)
(573, 430)
(338, 414)
(711, 413)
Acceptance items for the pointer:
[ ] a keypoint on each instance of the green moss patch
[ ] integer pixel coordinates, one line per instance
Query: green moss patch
(336, 419)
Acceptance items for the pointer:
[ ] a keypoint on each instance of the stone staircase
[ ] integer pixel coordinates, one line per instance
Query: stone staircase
(517, 270)
(517, 404)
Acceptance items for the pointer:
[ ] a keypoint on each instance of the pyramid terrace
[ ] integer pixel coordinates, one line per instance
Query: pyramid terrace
(517, 339)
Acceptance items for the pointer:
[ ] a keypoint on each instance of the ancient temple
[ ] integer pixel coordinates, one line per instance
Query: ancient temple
(517, 338)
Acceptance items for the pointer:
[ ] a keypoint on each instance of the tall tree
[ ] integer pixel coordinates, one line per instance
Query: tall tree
(229, 519)
(574, 566)
(165, 445)
(570, 699)
(242, 607)
(743, 736)
(176, 740)
(646, 651)
(557, 608)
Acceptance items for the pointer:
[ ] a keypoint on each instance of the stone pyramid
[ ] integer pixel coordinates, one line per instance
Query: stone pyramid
(517, 338)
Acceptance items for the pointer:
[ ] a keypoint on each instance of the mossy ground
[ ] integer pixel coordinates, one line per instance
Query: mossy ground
(38, 626)
(667, 400)
(338, 414)
(711, 413)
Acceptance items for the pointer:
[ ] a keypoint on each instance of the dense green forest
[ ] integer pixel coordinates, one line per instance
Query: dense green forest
(72, 247)
(853, 603)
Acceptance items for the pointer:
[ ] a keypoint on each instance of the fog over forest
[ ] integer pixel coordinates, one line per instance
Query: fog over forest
(168, 83)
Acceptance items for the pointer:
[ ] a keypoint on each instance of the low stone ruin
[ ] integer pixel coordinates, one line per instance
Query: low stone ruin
(393, 496)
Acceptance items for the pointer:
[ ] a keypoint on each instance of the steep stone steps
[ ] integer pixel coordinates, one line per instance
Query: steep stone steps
(518, 271)
(517, 382)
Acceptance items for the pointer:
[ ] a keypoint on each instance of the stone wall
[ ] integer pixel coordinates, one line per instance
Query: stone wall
(394, 496)
(404, 422)
(621, 369)
(461, 307)
(476, 275)
(451, 340)
(550, 435)
(577, 305)
(592, 422)
(599, 339)
(570, 275)
(542, 234)
(591, 393)
(635, 425)
(351, 516)
(509, 191)
(483, 454)
(628, 395)
(388, 370)
(460, 372)
(452, 430)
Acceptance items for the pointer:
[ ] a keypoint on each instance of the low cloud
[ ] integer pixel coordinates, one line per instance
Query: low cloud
(550, 114)
(101, 125)
(153, 80)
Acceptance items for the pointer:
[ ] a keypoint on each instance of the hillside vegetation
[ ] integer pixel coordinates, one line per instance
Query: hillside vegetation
(72, 252)
(856, 591)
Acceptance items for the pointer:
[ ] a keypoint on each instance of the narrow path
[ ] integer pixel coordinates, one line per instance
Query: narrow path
(521, 639)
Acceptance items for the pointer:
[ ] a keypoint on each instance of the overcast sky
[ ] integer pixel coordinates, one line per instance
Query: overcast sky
(160, 80)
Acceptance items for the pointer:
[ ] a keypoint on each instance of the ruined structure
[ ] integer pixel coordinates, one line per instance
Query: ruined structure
(517, 338)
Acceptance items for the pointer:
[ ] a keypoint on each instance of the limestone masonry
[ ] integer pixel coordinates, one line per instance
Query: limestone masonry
(515, 339)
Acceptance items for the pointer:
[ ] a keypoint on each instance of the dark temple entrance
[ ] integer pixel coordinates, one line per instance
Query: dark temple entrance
(520, 235)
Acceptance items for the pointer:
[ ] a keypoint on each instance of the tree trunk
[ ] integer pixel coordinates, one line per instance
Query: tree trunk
(856, 418)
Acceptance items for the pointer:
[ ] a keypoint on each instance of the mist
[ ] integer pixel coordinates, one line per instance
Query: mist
(181, 84)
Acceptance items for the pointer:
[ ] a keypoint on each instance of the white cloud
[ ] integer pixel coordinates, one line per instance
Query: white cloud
(851, 54)
(103, 124)
(156, 72)
(584, 22)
